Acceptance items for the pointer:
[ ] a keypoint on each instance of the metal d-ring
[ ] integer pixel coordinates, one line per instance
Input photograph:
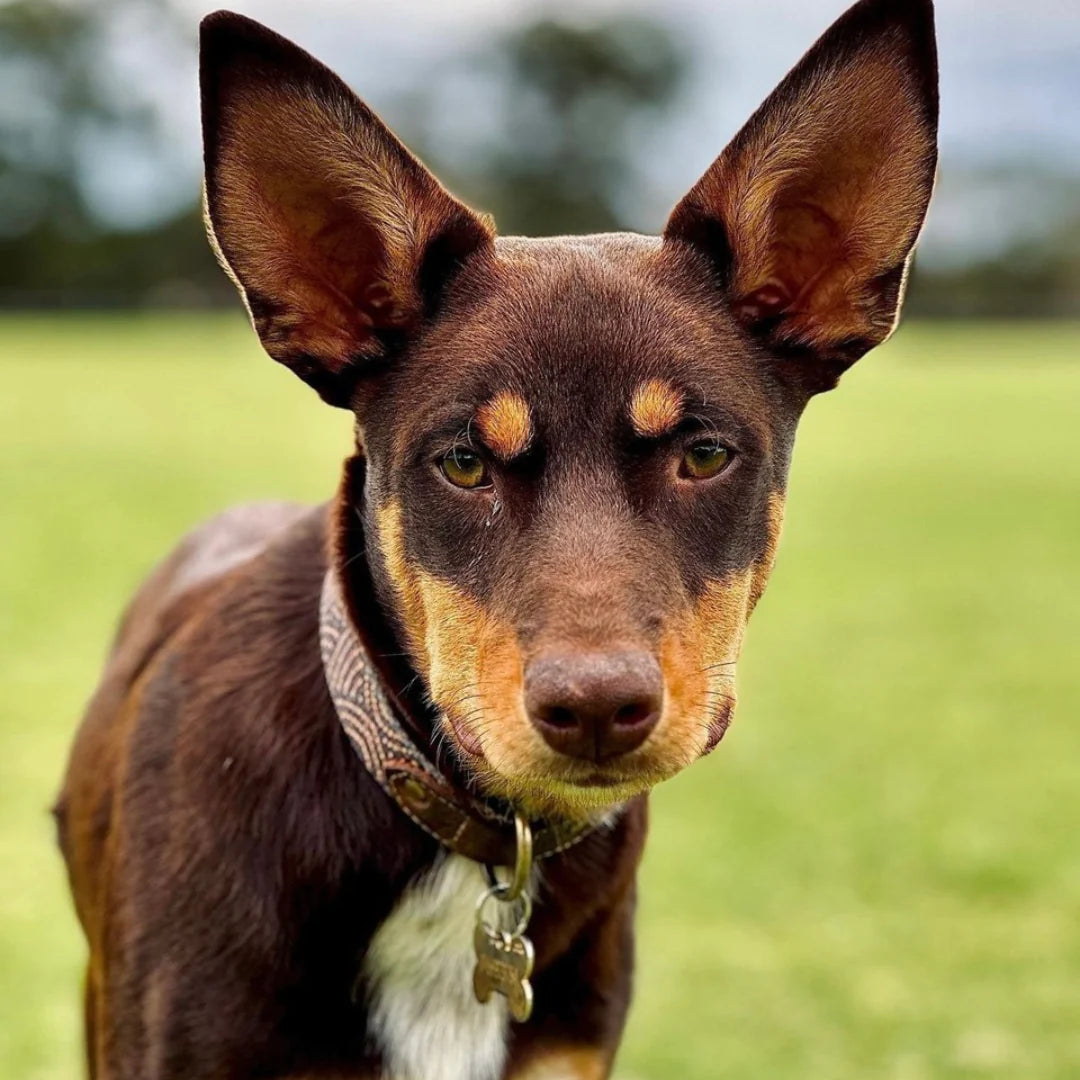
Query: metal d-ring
(517, 886)
(523, 857)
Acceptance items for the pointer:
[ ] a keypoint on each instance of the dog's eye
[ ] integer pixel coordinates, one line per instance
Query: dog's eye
(464, 468)
(705, 459)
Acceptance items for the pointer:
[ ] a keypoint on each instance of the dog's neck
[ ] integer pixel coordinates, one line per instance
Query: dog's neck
(403, 684)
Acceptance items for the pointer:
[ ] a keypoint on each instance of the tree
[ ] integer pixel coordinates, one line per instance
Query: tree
(564, 108)
(61, 103)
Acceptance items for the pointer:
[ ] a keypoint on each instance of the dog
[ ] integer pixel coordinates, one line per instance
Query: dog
(522, 609)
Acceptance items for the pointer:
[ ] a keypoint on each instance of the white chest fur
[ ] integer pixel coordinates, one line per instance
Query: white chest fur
(422, 1013)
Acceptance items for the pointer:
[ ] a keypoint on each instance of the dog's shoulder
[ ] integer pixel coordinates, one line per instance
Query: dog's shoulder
(190, 578)
(213, 704)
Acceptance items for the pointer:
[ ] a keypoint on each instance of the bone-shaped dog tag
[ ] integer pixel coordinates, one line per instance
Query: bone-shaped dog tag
(504, 963)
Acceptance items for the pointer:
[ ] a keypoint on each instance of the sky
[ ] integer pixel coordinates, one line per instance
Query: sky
(1010, 68)
(1010, 87)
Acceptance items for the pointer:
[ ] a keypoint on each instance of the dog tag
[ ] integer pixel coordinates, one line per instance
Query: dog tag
(504, 962)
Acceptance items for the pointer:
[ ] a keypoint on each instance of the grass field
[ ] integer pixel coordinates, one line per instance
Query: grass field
(877, 877)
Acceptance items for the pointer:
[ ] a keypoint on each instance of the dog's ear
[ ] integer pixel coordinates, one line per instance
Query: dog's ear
(811, 213)
(337, 237)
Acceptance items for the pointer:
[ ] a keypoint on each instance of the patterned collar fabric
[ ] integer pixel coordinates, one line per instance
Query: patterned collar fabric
(363, 707)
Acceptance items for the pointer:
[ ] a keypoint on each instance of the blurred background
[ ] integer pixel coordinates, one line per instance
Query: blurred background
(878, 873)
(585, 116)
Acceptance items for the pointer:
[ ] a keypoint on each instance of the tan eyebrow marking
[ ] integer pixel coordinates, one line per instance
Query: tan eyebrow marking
(655, 408)
(505, 424)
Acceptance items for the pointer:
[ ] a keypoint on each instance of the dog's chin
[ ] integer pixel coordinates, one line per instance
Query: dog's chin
(540, 798)
(553, 786)
(581, 795)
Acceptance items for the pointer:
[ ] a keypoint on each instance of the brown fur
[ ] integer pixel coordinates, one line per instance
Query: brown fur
(325, 246)
(229, 856)
(823, 204)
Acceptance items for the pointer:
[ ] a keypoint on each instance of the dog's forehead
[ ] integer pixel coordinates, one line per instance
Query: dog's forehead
(579, 305)
(601, 326)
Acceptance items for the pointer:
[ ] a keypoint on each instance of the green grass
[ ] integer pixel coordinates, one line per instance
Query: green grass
(876, 876)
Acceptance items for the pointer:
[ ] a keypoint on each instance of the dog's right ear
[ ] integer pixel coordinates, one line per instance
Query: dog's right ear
(337, 237)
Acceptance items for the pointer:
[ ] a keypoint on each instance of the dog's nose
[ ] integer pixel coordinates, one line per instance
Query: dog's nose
(594, 705)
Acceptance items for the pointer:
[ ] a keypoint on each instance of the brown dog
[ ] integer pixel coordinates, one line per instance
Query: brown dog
(564, 504)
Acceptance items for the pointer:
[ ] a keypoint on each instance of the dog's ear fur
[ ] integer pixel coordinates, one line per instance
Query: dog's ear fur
(811, 213)
(337, 237)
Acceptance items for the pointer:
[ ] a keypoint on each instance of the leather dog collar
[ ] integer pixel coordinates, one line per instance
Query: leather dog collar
(459, 820)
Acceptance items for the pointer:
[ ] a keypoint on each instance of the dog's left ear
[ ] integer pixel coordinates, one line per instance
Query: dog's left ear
(339, 240)
(811, 213)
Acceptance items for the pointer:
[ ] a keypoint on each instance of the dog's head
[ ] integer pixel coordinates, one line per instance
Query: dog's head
(576, 448)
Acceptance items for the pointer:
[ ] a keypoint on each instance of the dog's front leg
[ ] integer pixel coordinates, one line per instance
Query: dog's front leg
(581, 1003)
(566, 1063)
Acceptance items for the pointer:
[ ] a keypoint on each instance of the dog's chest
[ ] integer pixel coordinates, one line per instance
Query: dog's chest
(422, 1013)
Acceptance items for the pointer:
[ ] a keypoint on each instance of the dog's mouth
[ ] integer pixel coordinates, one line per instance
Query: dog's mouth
(467, 741)
(545, 783)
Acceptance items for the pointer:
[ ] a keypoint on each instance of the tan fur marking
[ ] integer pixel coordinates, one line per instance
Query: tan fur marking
(470, 659)
(698, 653)
(405, 584)
(697, 656)
(579, 1063)
(655, 408)
(506, 424)
(763, 566)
